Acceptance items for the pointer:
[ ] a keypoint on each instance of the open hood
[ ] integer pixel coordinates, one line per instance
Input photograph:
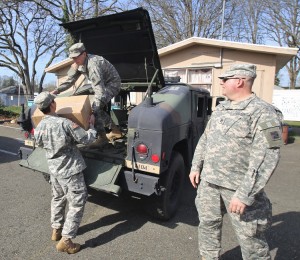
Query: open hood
(126, 40)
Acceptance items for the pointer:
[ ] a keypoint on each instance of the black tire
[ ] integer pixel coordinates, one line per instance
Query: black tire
(164, 206)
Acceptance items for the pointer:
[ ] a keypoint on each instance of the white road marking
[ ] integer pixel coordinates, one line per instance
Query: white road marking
(19, 140)
(18, 128)
(3, 151)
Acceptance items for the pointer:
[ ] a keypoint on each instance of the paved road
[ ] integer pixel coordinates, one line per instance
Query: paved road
(117, 228)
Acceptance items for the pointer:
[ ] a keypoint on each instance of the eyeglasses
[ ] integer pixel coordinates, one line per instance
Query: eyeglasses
(225, 79)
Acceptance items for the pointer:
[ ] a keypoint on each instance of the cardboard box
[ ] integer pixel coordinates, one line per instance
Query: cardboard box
(76, 108)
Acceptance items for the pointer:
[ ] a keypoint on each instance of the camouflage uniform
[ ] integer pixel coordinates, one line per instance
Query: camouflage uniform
(237, 153)
(106, 84)
(58, 136)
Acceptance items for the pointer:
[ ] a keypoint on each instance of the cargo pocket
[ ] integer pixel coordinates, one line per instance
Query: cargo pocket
(264, 223)
(77, 189)
(259, 219)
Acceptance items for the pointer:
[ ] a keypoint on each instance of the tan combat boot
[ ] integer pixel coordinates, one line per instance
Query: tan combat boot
(100, 142)
(56, 234)
(115, 133)
(66, 245)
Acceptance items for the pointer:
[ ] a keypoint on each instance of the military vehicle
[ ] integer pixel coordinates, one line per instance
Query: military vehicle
(160, 133)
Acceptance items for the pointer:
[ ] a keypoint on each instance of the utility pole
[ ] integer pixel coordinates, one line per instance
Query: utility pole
(223, 17)
(19, 92)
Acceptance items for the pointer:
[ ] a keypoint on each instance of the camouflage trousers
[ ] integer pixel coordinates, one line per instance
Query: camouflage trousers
(102, 120)
(73, 191)
(102, 97)
(212, 202)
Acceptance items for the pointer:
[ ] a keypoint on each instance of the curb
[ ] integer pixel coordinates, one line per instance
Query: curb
(5, 121)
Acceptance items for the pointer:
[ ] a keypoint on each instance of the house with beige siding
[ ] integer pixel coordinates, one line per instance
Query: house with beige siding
(199, 62)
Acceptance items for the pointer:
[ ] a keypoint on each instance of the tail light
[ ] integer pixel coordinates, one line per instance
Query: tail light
(142, 149)
(29, 134)
(143, 152)
(155, 158)
(26, 134)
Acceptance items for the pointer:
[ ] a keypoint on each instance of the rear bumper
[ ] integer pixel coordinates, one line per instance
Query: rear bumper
(24, 152)
(140, 183)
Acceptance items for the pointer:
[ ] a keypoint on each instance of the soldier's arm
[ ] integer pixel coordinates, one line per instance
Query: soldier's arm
(198, 159)
(38, 138)
(105, 79)
(95, 68)
(73, 75)
(263, 159)
(79, 134)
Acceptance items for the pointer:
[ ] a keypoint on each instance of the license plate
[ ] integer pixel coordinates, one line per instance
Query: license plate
(29, 143)
(143, 167)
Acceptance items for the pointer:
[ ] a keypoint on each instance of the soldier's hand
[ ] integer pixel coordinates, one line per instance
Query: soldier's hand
(74, 66)
(195, 178)
(236, 206)
(54, 92)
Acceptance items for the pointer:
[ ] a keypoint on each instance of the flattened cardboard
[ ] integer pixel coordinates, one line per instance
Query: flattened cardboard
(76, 108)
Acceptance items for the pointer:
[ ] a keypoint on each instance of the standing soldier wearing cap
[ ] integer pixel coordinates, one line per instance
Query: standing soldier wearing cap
(58, 137)
(106, 84)
(235, 158)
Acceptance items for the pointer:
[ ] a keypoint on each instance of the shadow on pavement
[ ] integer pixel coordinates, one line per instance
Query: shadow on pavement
(283, 236)
(9, 149)
(130, 215)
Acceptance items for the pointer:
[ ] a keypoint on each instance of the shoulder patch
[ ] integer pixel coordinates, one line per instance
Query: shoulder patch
(74, 125)
(272, 132)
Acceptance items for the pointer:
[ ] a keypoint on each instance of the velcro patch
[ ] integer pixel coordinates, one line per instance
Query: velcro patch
(272, 133)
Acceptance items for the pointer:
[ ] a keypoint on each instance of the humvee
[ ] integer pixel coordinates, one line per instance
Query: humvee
(160, 133)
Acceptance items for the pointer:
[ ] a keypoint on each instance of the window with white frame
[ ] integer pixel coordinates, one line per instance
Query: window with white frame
(197, 77)
(176, 73)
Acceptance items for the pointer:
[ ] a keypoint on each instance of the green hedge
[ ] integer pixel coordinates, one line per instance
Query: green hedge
(10, 112)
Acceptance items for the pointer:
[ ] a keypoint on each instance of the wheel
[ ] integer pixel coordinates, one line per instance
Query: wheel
(164, 206)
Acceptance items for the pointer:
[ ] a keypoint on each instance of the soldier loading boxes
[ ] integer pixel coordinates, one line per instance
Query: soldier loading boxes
(152, 159)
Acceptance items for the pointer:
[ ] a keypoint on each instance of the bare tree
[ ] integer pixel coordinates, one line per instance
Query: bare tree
(73, 10)
(282, 23)
(247, 21)
(63, 11)
(176, 20)
(27, 38)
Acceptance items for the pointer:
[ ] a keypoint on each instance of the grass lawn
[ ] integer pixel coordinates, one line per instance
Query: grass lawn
(293, 123)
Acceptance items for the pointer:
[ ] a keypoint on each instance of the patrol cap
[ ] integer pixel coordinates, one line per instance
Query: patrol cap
(247, 70)
(76, 49)
(44, 99)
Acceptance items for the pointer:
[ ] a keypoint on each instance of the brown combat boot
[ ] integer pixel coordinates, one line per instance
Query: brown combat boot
(100, 142)
(56, 234)
(115, 133)
(66, 245)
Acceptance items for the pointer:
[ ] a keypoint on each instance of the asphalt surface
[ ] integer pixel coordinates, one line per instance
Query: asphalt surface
(118, 228)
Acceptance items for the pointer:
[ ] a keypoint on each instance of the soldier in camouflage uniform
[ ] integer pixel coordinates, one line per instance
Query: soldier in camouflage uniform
(236, 156)
(106, 84)
(58, 136)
